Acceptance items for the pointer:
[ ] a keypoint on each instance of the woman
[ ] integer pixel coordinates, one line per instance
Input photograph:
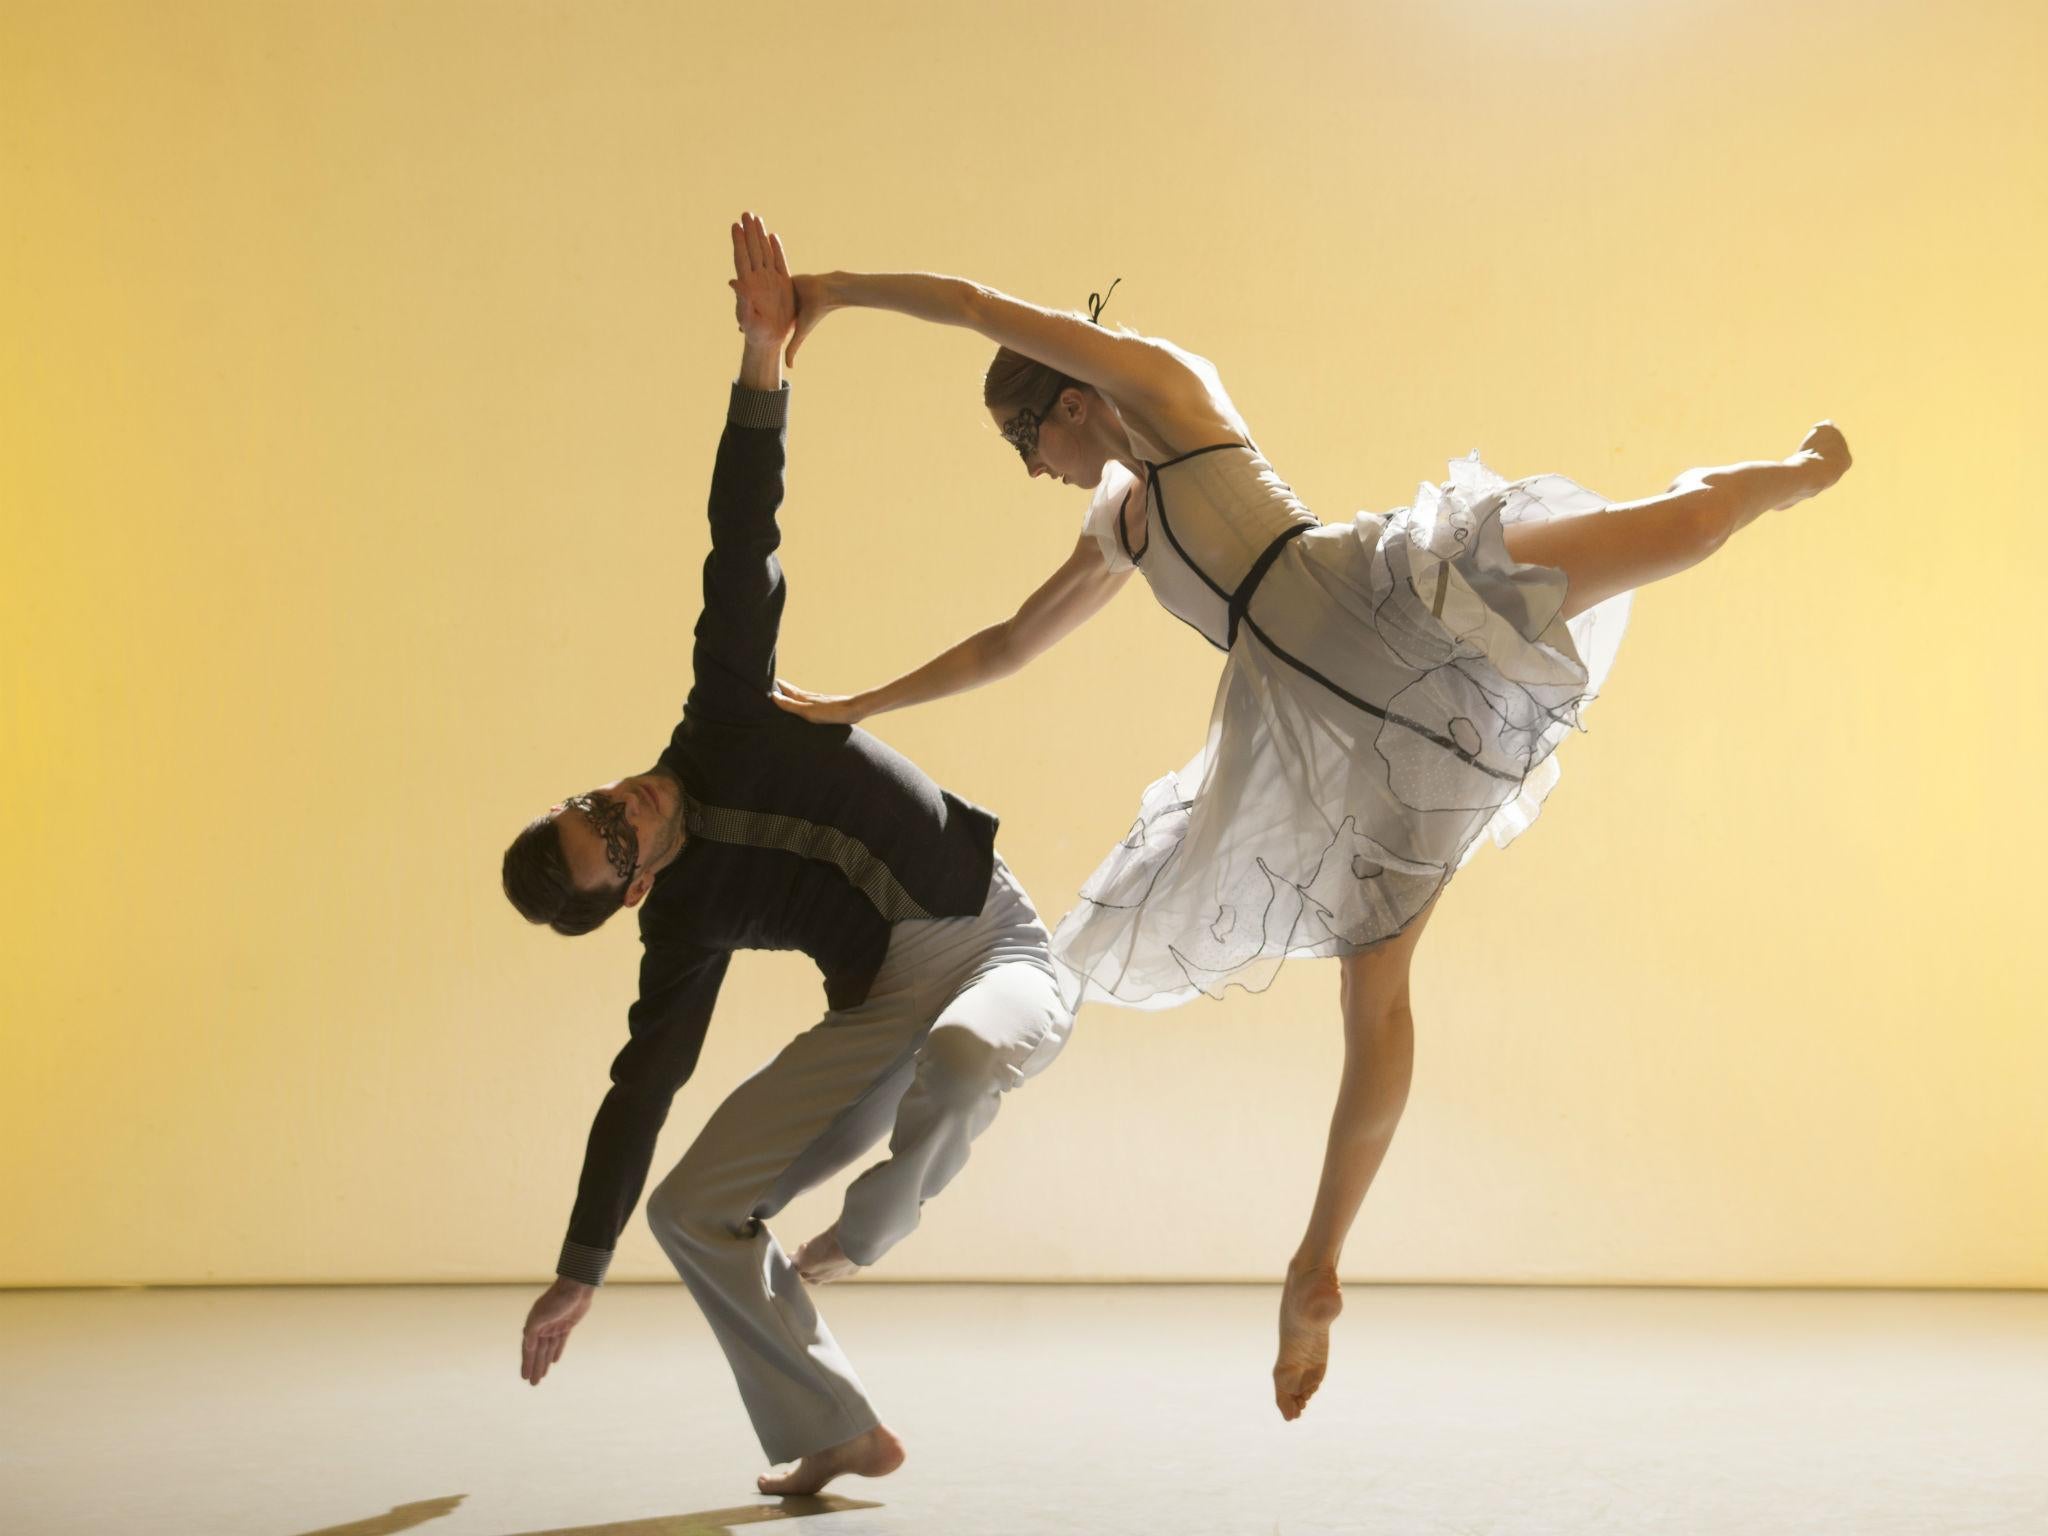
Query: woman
(1393, 688)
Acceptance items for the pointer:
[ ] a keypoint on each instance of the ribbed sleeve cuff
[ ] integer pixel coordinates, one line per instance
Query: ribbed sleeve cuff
(767, 409)
(585, 1264)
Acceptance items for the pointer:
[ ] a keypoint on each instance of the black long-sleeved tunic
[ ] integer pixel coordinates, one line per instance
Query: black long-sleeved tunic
(797, 836)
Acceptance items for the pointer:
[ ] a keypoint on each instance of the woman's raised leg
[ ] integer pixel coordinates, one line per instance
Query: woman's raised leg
(1379, 1058)
(1634, 543)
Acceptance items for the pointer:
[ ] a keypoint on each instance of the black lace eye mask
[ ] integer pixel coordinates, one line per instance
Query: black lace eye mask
(1021, 432)
(607, 817)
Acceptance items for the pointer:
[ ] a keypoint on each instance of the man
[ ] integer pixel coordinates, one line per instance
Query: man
(758, 830)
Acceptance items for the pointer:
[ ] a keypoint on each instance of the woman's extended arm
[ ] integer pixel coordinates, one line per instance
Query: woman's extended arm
(1131, 370)
(1073, 594)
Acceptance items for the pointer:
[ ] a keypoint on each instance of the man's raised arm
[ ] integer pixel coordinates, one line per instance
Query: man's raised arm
(736, 633)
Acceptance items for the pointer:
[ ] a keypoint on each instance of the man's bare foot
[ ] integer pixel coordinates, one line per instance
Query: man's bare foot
(1309, 1303)
(822, 1260)
(874, 1454)
(1822, 460)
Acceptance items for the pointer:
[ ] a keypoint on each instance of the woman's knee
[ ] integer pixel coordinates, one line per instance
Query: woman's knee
(1378, 1013)
(1377, 978)
(1708, 515)
(1715, 527)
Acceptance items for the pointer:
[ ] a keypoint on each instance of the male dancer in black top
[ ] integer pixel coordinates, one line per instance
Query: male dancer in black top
(757, 830)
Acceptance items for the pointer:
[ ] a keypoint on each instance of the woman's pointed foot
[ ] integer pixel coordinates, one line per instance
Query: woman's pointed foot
(1766, 485)
(1821, 460)
(876, 1453)
(1309, 1303)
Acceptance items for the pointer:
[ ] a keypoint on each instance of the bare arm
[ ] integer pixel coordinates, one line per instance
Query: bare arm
(1134, 371)
(1072, 595)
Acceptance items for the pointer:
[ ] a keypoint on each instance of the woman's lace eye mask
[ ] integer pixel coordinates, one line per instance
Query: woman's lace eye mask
(1021, 432)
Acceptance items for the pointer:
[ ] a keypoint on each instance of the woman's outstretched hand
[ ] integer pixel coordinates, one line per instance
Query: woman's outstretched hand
(814, 301)
(819, 708)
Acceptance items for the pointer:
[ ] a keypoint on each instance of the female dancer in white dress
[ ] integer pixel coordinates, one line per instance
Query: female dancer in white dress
(1392, 690)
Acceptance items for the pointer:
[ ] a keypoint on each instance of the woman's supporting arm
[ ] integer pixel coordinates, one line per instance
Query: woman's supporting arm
(1072, 595)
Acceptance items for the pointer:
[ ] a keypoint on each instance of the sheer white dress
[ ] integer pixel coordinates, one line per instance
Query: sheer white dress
(1393, 690)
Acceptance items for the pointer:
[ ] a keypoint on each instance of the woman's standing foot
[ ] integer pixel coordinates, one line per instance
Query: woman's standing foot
(1309, 1303)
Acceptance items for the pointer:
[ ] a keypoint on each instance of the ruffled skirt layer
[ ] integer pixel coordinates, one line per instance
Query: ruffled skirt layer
(1397, 693)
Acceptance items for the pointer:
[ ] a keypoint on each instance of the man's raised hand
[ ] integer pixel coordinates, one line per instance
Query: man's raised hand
(764, 301)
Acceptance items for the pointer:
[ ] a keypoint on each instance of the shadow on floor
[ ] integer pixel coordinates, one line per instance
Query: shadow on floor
(402, 1517)
(709, 1522)
(714, 1522)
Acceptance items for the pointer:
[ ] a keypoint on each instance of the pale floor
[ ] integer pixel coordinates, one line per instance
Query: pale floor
(1036, 1409)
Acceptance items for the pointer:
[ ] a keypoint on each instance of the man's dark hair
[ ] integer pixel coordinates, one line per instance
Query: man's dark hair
(538, 883)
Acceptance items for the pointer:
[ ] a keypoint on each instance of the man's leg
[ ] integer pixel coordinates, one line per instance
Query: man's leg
(1003, 1028)
(1003, 1023)
(826, 1097)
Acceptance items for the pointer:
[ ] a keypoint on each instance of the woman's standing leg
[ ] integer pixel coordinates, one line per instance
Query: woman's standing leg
(1634, 543)
(1379, 1057)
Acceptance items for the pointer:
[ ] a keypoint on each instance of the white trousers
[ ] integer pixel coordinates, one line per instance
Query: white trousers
(962, 1010)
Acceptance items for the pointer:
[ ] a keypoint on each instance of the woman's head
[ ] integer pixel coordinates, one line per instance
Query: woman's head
(1054, 422)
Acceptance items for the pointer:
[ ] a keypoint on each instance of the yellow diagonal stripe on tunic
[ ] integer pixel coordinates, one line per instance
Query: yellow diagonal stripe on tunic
(807, 840)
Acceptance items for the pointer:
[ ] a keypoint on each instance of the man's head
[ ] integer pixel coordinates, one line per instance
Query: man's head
(584, 859)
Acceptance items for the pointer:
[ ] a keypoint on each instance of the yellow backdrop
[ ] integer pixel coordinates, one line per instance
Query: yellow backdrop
(362, 368)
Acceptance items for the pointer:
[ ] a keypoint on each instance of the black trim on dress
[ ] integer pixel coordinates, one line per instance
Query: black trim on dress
(1241, 599)
(1356, 702)
(1196, 453)
(1238, 611)
(1123, 534)
(1191, 624)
